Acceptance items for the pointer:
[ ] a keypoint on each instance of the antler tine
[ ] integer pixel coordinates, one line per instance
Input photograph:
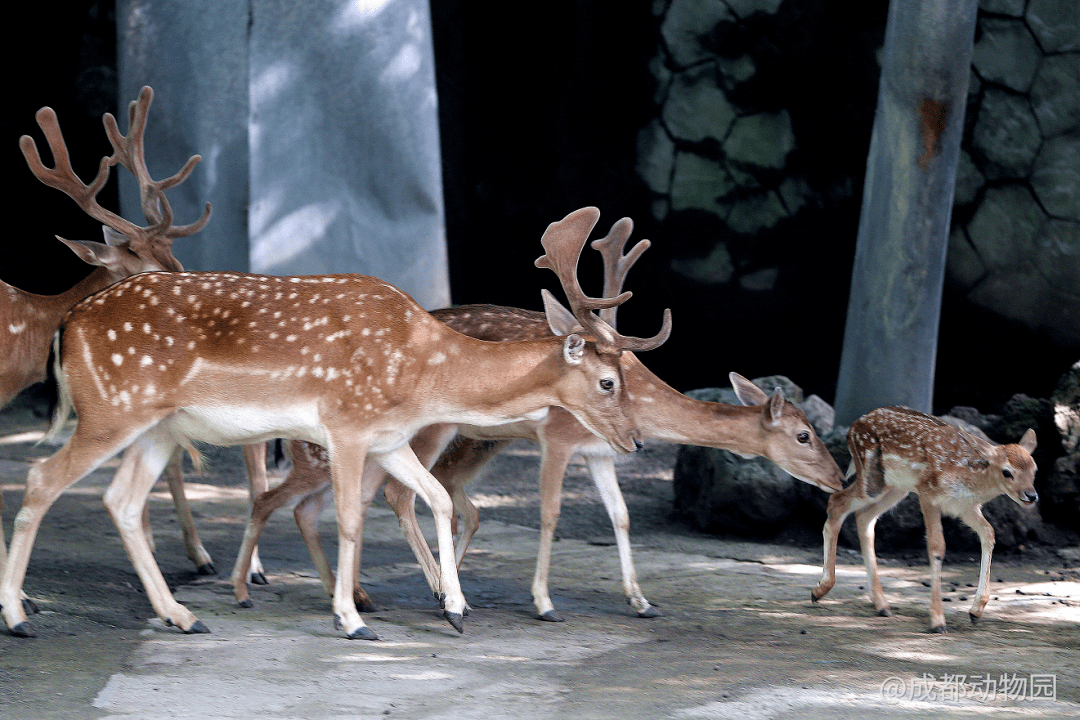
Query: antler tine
(563, 242)
(617, 265)
(129, 152)
(63, 177)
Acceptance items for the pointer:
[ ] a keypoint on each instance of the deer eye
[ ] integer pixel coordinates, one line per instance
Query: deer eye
(803, 437)
(1007, 473)
(607, 384)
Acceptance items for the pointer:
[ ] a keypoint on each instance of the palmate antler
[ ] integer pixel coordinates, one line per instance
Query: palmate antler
(127, 151)
(563, 242)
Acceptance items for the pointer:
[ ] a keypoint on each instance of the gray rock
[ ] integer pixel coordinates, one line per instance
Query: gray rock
(969, 179)
(1066, 402)
(795, 193)
(1005, 226)
(1015, 8)
(1006, 53)
(1055, 94)
(656, 157)
(1057, 256)
(714, 268)
(1020, 294)
(684, 26)
(695, 108)
(746, 8)
(699, 183)
(761, 139)
(1056, 176)
(756, 212)
(1006, 135)
(760, 280)
(964, 267)
(735, 71)
(1056, 24)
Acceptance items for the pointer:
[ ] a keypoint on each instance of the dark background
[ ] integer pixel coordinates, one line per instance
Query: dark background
(539, 114)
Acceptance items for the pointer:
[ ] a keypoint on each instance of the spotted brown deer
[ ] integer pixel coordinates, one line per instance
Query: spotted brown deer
(895, 451)
(769, 427)
(163, 360)
(27, 320)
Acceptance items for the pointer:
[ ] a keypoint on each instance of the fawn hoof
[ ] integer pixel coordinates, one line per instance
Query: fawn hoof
(206, 569)
(938, 630)
(364, 605)
(246, 603)
(884, 612)
(30, 607)
(814, 597)
(974, 618)
(551, 616)
(197, 629)
(362, 633)
(257, 578)
(650, 612)
(23, 629)
(455, 619)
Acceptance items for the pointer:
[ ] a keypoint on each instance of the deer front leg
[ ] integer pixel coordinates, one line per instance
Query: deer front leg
(174, 477)
(838, 509)
(403, 464)
(347, 470)
(555, 456)
(602, 469)
(258, 483)
(402, 500)
(125, 499)
(29, 606)
(935, 549)
(866, 519)
(974, 519)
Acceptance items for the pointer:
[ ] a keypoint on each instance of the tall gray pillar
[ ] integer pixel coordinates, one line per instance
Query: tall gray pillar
(890, 336)
(318, 127)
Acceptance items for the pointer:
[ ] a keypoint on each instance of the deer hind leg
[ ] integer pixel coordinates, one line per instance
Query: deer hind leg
(174, 476)
(458, 464)
(125, 498)
(602, 469)
(974, 519)
(258, 483)
(866, 519)
(29, 606)
(935, 549)
(44, 484)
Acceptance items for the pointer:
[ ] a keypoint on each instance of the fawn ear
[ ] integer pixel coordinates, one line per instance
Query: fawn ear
(1028, 442)
(776, 405)
(574, 349)
(747, 392)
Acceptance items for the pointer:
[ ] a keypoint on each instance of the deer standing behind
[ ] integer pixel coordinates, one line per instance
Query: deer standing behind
(770, 427)
(28, 321)
(895, 451)
(162, 360)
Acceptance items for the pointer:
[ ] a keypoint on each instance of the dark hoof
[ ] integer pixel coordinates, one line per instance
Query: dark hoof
(884, 612)
(197, 629)
(23, 629)
(29, 607)
(206, 569)
(246, 603)
(551, 616)
(441, 597)
(259, 579)
(651, 612)
(937, 630)
(362, 633)
(365, 605)
(974, 618)
(814, 597)
(455, 619)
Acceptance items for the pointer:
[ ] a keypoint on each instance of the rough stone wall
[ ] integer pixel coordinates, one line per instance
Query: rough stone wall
(759, 163)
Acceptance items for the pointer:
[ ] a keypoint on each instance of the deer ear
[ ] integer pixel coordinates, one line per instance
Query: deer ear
(114, 238)
(574, 349)
(747, 392)
(1028, 442)
(94, 253)
(560, 320)
(776, 405)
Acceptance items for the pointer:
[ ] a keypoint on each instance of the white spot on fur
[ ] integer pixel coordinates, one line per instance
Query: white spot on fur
(117, 359)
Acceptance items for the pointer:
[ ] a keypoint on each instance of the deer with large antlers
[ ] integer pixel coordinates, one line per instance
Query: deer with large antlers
(27, 320)
(895, 451)
(769, 426)
(163, 360)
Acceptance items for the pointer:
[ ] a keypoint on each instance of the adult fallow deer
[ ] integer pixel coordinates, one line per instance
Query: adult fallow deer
(897, 450)
(770, 427)
(163, 360)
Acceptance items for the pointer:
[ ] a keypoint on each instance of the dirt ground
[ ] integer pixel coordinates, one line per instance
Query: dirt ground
(739, 637)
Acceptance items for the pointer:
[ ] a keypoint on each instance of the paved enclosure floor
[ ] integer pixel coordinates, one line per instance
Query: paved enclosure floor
(739, 637)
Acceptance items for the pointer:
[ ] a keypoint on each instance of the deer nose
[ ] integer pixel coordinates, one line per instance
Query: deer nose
(1031, 497)
(638, 444)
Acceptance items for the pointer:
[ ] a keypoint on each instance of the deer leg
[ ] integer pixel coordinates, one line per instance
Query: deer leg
(258, 483)
(29, 606)
(935, 549)
(402, 501)
(306, 513)
(403, 464)
(866, 519)
(44, 483)
(125, 497)
(555, 456)
(174, 476)
(347, 456)
(602, 469)
(839, 507)
(974, 519)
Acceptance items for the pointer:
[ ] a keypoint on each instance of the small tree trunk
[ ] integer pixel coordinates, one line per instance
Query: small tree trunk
(890, 337)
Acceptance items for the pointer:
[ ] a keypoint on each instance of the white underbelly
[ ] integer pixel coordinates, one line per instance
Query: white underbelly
(243, 424)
